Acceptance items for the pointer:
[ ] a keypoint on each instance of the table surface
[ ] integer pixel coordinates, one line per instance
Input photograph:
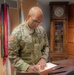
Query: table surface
(68, 66)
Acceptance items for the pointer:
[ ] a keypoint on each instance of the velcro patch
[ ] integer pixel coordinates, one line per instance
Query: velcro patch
(11, 38)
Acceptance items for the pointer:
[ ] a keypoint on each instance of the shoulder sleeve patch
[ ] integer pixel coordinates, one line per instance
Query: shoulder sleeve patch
(11, 38)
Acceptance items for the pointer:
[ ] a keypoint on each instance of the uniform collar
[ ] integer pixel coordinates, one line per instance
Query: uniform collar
(31, 31)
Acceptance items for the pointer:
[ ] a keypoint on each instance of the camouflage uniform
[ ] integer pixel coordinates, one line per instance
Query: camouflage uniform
(27, 46)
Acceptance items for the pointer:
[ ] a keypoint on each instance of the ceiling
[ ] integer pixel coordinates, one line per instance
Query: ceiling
(47, 1)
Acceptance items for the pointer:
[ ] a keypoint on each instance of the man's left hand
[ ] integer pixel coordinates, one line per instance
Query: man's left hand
(42, 63)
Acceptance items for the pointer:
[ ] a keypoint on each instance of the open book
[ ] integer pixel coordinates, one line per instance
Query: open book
(48, 66)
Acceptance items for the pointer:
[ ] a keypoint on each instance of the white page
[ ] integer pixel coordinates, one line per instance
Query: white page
(49, 66)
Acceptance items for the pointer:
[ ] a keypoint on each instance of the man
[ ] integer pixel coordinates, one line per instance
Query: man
(28, 44)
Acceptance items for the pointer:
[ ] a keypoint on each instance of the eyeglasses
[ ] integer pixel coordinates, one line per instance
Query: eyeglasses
(35, 21)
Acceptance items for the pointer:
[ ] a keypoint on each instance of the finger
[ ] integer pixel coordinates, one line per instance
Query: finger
(42, 66)
(32, 70)
(35, 69)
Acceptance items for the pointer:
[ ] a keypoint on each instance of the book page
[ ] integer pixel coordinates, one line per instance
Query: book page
(49, 66)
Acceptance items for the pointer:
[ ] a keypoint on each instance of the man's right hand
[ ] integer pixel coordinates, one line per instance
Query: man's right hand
(33, 69)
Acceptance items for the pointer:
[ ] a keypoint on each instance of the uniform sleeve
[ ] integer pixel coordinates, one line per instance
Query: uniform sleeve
(45, 50)
(14, 47)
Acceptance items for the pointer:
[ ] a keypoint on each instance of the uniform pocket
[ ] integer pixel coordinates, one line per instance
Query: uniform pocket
(28, 47)
(37, 50)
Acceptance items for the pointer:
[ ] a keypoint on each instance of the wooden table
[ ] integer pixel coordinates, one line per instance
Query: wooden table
(68, 67)
(67, 64)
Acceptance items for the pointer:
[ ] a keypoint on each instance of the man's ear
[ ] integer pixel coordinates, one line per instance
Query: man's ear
(28, 17)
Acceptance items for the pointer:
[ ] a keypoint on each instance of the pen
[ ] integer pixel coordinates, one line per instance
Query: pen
(58, 68)
(56, 72)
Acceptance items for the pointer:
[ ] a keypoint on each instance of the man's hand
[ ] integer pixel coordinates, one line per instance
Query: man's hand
(42, 63)
(32, 69)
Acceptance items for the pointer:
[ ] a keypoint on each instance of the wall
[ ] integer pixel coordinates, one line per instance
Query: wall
(71, 32)
(14, 13)
(46, 16)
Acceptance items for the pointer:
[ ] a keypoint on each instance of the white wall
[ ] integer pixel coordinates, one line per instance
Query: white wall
(46, 16)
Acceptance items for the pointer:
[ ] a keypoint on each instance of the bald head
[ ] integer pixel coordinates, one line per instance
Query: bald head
(34, 17)
(35, 11)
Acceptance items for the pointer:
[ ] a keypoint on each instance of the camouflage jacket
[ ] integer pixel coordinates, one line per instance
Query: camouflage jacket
(27, 46)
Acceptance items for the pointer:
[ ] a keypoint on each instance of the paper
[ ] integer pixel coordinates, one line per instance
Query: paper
(49, 66)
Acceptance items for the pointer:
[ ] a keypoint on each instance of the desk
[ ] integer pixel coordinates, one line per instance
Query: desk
(68, 67)
(67, 64)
